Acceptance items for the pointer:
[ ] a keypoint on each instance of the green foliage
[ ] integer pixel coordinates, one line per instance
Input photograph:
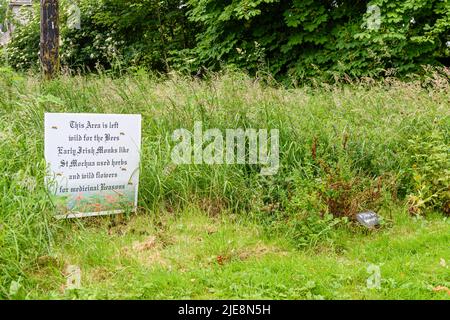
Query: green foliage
(325, 39)
(22, 52)
(319, 201)
(294, 40)
(339, 146)
(118, 33)
(93, 45)
(113, 34)
(430, 173)
(3, 14)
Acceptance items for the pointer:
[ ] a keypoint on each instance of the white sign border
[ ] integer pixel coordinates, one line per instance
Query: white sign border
(77, 214)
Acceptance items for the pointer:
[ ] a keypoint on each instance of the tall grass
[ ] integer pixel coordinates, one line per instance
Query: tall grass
(343, 148)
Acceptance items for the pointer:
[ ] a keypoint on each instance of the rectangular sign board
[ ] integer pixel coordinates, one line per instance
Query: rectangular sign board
(92, 162)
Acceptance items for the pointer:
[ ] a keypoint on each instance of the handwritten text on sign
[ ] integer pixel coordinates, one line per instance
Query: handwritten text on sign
(93, 162)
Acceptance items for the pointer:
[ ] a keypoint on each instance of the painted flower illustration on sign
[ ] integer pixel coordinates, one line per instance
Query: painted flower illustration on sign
(97, 207)
(111, 198)
(74, 202)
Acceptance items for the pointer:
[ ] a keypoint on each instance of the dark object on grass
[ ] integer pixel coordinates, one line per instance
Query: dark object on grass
(368, 219)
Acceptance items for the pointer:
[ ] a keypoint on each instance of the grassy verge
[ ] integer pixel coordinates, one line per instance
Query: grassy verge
(226, 231)
(194, 256)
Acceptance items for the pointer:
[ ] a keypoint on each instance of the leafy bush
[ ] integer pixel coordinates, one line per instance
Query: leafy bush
(91, 46)
(145, 31)
(326, 39)
(3, 14)
(23, 51)
(113, 34)
(293, 40)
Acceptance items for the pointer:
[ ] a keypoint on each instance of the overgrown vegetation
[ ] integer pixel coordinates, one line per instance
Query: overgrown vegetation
(296, 40)
(379, 145)
(3, 14)
(113, 34)
(325, 39)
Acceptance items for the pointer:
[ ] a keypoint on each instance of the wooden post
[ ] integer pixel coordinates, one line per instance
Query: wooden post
(49, 44)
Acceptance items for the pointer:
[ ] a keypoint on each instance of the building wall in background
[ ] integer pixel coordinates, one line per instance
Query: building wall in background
(16, 7)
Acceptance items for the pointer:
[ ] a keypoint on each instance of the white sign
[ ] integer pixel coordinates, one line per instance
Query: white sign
(93, 162)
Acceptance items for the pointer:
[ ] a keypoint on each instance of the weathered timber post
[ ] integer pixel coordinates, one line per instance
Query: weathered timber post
(49, 44)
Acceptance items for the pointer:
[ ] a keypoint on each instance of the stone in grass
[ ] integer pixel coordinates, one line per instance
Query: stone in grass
(368, 219)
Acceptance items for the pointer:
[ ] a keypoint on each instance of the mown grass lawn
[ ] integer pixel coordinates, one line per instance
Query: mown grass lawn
(225, 231)
(195, 256)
